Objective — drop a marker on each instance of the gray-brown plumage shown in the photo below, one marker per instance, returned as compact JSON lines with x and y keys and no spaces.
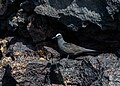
{"x":70,"y":48}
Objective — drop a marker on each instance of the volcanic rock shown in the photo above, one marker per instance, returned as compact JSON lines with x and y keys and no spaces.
{"x":94,"y":11}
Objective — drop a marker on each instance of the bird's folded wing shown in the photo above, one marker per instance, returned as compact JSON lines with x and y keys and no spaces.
{"x":72,"y":48}
{"x":76,"y":49}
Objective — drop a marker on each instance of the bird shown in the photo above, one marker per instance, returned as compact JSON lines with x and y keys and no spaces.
{"x":70,"y":48}
{"x":8,"y":79}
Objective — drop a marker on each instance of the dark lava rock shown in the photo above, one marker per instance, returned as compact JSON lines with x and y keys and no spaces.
{"x":19,"y":23}
{"x":1,"y":55}
{"x":19,"y":47}
{"x":51,"y":17}
{"x":94,"y":71}
{"x":35,"y":75}
{"x":8,"y":79}
{"x":71,"y":72}
{"x":40,"y":28}
{"x":52,"y":51}
{"x":66,"y":17}
{"x":96,"y":11}
{"x":27,"y":6}
{"x":70,"y":8}
{"x":3,"y":7}
{"x":60,"y":5}
{"x":9,"y":8}
{"x":54,"y":75}
{"x":79,"y":72}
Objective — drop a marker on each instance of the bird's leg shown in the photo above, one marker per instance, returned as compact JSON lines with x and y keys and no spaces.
{"x":68,"y":56}
{"x":66,"y":62}
{"x":51,"y":58}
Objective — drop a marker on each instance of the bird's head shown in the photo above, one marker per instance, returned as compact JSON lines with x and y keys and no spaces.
{"x":58,"y":36}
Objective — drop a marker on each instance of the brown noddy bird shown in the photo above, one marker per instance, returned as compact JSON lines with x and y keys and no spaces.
{"x":70,"y":48}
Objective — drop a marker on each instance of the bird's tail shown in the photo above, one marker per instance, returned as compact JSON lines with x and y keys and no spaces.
{"x":88,"y":50}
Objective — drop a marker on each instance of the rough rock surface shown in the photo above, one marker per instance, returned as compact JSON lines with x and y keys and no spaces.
{"x":96,"y":11}
{"x":31,"y":66}
{"x":102,"y":70}
{"x":93,"y":24}
{"x":50,"y":17}
{"x":37,"y":77}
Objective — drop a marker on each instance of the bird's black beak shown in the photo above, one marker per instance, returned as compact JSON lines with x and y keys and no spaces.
{"x":54,"y":37}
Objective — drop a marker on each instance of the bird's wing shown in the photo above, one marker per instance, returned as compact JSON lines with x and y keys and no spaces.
{"x":76,"y":49}
{"x":71,"y":48}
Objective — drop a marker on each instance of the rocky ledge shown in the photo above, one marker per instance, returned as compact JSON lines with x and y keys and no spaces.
{"x":26,"y":44}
